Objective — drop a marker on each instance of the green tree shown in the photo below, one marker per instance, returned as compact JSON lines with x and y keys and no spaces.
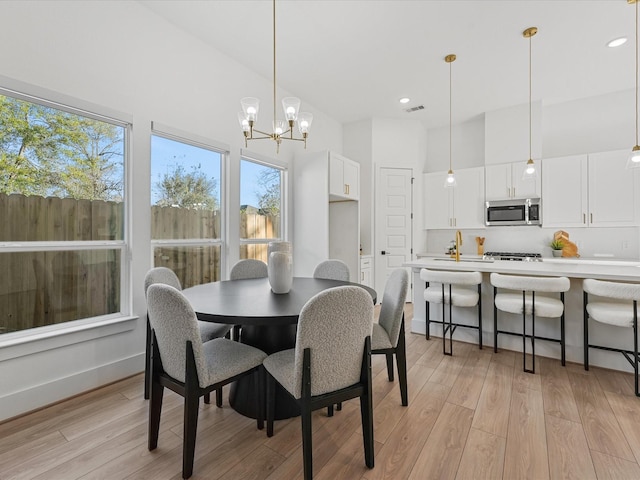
{"x":269,"y":196}
{"x":46,"y":151}
{"x":179,"y":188}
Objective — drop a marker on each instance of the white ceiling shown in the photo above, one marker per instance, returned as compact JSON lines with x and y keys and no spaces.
{"x":354,"y":59}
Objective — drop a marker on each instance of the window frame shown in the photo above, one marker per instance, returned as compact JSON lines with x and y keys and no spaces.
{"x":284,"y":203}
{"x":11,"y":343}
{"x":194,"y":140}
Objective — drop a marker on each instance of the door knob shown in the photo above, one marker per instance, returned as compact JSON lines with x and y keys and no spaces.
{"x":383,"y":252}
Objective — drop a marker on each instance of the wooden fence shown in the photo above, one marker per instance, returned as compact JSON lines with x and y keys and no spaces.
{"x":41,"y":288}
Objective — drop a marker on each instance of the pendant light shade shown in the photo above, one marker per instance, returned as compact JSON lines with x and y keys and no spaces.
{"x":450,"y":181}
{"x":634,"y":157}
{"x":530,"y":171}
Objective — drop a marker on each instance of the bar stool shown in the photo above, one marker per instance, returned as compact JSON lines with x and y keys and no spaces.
{"x":619,"y":314}
{"x":454,"y":291}
{"x":527,"y":303}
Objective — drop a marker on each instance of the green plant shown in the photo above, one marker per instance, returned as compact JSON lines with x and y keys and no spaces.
{"x":557,"y":245}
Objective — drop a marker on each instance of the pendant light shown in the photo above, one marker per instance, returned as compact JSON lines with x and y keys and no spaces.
{"x":530,"y":170}
{"x":450,"y":182}
{"x":634,"y":157}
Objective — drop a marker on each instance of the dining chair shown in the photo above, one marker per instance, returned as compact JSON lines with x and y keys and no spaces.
{"x":617,"y":308}
{"x":388,"y":333}
{"x":185,"y":364}
{"x":527,"y":303}
{"x":332,"y":269}
{"x":456,"y":290}
{"x":331,"y":363}
{"x":208,"y":330}
{"x":246,"y":269}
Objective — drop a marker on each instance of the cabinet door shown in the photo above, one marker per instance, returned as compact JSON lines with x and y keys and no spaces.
{"x":351,"y":180}
{"x":437,"y":202}
{"x":468,"y":198}
{"x":613,"y":190}
{"x":336,"y":176}
{"x":525,"y":188}
{"x":564,"y":193}
{"x":498,"y":182}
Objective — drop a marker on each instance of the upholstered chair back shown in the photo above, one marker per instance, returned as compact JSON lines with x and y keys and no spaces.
{"x":393,"y":300}
{"x":617,"y":290}
{"x":332,"y":270}
{"x":249,"y":268}
{"x":161,"y":275}
{"x":333,"y":325}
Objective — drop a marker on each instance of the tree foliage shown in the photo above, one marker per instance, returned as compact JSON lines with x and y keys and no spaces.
{"x":179,"y":188}
{"x":269,"y":196}
{"x":46,"y":151}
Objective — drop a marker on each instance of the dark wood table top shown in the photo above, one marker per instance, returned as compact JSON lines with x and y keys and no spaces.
{"x":251,"y":302}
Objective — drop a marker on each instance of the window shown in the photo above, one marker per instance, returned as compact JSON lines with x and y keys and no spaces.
{"x":261,"y":207}
{"x":186,"y":207}
{"x":62,"y":205}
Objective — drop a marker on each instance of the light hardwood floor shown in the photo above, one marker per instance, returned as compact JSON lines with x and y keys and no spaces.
{"x":471,"y":416}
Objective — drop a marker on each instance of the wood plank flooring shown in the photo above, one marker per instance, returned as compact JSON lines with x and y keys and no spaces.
{"x":475,"y":415}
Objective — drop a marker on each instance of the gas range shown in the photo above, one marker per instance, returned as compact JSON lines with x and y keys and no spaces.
{"x":514,"y":256}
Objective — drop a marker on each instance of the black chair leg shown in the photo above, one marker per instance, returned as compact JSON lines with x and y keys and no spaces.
{"x":330,"y":411}
{"x":147,"y":362}
{"x":155,"y":411}
{"x":480,"y":316}
{"x":307,"y":445}
{"x":401,"y":357}
{"x":585,"y":317}
{"x":259,"y":386}
{"x":207,"y":398}
{"x":219,"y":397}
{"x":271,"y":402}
{"x":390,"y":366}
{"x":190,"y":428}
{"x":366,"y":413}
{"x":495,"y":322}
{"x":428,"y":323}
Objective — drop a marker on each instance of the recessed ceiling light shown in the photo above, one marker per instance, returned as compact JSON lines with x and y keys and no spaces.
{"x":616,"y":42}
{"x":405,"y":100}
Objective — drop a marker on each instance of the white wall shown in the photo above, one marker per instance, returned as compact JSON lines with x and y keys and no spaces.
{"x":120,"y":55}
{"x":467,"y":146}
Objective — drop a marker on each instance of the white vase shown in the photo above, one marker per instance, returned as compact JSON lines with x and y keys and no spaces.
{"x":280,"y":271}
{"x":278,"y":247}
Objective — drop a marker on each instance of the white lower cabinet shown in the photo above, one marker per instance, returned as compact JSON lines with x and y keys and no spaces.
{"x":366,"y":270}
{"x":459,"y":207}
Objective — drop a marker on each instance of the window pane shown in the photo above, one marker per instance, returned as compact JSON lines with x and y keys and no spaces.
{"x":51,"y":287}
{"x":260,"y":201}
{"x":257,"y":251}
{"x":193,"y":265}
{"x":185,"y":191}
{"x":61,"y":175}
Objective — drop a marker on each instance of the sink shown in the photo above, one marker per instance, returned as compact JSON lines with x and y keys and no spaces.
{"x":482,"y":260}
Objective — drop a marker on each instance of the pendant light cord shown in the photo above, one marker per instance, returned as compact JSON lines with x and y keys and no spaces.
{"x":530,"y":137}
{"x":274,"y":65}
{"x":636,"y":72}
{"x":450,"y":118}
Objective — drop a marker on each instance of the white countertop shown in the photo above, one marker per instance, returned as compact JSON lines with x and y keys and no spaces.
{"x":573,"y":268}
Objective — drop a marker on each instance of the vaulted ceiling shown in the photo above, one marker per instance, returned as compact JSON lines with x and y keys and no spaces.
{"x":354,"y":59}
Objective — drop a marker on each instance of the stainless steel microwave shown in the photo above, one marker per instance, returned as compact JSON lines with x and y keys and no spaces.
{"x":522,"y":211}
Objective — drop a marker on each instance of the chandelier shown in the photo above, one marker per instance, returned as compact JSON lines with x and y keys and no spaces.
{"x":281,"y":129}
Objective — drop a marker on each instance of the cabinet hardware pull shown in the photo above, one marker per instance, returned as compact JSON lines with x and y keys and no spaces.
{"x":584,"y":218}
{"x":514,"y":192}
{"x":591,"y":214}
{"x":347,"y":189}
{"x":509,"y":192}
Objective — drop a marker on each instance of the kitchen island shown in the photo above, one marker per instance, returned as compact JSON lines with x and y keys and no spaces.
{"x":575,"y":269}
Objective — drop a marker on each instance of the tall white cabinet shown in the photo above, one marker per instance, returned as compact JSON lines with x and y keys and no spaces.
{"x":326,"y":212}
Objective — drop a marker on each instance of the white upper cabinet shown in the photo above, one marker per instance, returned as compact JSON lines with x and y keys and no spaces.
{"x":458,"y":207}
{"x":504,"y":181}
{"x":344,"y":177}
{"x":614,"y":193}
{"x":590,"y":190}
{"x":565,"y":192}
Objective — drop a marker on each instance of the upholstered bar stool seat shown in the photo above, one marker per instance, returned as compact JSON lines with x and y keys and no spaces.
{"x":623,"y":312}
{"x":527,"y":303}
{"x":458,"y":289}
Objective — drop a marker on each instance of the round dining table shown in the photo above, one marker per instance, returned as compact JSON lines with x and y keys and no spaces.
{"x":268,"y":322}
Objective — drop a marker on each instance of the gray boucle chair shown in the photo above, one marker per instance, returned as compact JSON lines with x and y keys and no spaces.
{"x":189,"y":367}
{"x":246,"y":269}
{"x":388,"y":334}
{"x":527,"y":303}
{"x":330,"y":363}
{"x":332,"y":270}
{"x":623,"y":314}
{"x":208,"y":330}
{"x":454,"y":291}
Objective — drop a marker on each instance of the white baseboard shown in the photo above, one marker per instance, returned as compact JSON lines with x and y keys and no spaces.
{"x":38,"y":396}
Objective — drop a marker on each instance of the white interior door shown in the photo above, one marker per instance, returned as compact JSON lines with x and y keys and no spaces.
{"x":393,"y":223}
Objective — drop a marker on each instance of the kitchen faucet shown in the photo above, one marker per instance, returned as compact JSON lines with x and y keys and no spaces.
{"x":458,"y":243}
